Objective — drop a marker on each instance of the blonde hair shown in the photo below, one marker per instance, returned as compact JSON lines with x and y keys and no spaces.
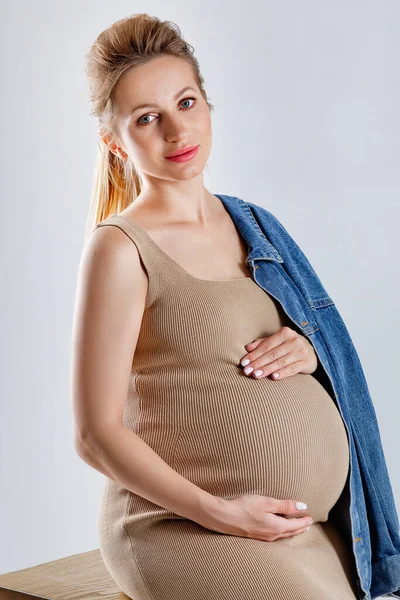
{"x":127,"y":43}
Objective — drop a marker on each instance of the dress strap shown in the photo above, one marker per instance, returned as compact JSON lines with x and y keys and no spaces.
{"x":148,"y":258}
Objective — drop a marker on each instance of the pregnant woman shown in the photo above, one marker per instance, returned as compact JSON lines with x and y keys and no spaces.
{"x":220,"y":476}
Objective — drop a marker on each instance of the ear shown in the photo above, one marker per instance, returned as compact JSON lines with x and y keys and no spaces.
{"x":112,"y":145}
{"x":106,"y":138}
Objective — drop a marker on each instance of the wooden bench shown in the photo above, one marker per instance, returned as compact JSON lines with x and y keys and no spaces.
{"x":82,"y":576}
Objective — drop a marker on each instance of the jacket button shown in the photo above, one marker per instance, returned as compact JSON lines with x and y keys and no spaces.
{"x":358,"y":539}
{"x":304,"y":322}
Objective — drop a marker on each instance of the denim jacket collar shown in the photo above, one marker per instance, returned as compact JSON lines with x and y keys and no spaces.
{"x":260,"y":247}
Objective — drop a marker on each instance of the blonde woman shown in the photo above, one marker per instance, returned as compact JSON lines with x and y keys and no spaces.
{"x":221,"y":474}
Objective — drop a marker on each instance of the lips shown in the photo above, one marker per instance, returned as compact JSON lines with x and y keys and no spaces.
{"x":181,"y":151}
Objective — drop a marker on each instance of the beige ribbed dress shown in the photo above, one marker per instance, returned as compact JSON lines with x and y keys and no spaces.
{"x":229,"y":434}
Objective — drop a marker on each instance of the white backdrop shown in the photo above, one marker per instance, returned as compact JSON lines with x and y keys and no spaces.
{"x":306,"y":123}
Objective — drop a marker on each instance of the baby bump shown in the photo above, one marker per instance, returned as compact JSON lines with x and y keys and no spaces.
{"x":284,"y":439}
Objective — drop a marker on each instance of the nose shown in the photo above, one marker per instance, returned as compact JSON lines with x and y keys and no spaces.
{"x":174,"y":129}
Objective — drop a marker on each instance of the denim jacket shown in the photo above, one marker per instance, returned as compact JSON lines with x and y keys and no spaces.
{"x":280,"y":267}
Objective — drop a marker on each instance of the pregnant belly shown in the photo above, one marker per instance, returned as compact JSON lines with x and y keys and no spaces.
{"x":284,"y":439}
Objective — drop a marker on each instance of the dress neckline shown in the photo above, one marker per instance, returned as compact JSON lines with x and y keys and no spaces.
{"x":170,"y":259}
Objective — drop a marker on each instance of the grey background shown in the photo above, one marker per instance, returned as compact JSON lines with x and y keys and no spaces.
{"x":306,"y":123}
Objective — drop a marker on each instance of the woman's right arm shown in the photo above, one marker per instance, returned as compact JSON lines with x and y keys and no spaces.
{"x":109,"y":306}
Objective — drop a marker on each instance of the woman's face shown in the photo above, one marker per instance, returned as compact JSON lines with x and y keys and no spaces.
{"x":180,"y":119}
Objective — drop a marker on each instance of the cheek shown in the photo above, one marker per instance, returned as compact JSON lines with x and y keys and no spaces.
{"x":142,"y":146}
{"x":204,"y":130}
{"x":206,"y":122}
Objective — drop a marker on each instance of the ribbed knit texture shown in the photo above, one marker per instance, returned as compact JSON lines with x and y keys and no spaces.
{"x":229,"y":434}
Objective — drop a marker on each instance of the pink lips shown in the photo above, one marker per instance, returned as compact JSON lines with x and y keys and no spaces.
{"x":185,"y":156}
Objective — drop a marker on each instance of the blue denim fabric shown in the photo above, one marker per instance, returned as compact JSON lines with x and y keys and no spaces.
{"x":280,"y":267}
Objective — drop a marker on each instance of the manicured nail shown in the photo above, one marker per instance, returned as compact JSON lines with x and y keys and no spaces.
{"x":275,"y":375}
{"x":248,"y":370}
{"x":258,"y":372}
{"x":245,"y":362}
{"x":301,"y":506}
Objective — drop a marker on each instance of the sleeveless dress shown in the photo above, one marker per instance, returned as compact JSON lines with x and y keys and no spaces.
{"x":230,"y":434}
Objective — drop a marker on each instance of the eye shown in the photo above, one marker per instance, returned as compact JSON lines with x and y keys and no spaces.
{"x":141,"y":123}
{"x":185,"y":99}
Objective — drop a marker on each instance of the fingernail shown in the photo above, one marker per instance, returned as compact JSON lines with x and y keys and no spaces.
{"x":245,"y":362}
{"x":301,"y":505}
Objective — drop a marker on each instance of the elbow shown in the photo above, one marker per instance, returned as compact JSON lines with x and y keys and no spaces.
{"x":81,"y":443}
{"x":89,"y":442}
{"x":80,"y":449}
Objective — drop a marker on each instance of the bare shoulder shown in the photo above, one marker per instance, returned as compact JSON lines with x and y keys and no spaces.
{"x":110,"y":256}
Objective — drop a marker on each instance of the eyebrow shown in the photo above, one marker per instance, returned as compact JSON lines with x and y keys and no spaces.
{"x":152,"y":105}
